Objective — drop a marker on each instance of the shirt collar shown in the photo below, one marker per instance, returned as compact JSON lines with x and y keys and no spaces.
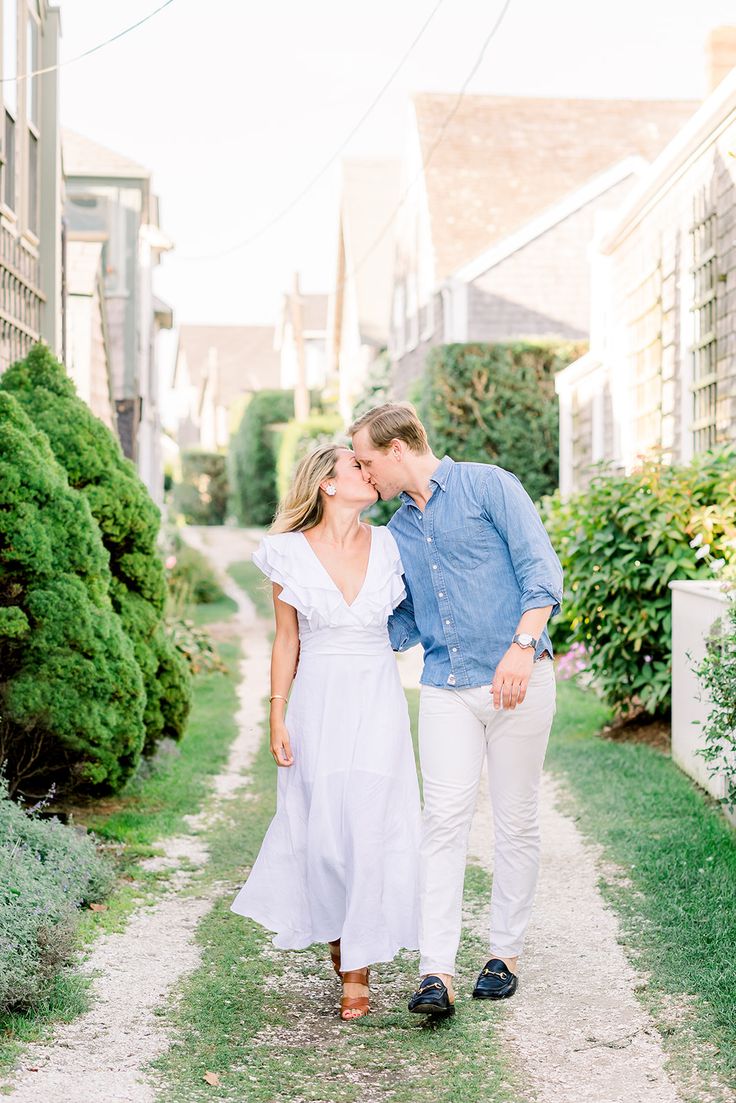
{"x":440,"y":477}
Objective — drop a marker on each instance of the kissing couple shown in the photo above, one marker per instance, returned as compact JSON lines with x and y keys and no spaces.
{"x":464,"y":567}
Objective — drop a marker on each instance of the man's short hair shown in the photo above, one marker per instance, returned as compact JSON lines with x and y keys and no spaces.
{"x":393,"y":421}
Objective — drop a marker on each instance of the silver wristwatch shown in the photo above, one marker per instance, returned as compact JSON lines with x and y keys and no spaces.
{"x":525,"y":639}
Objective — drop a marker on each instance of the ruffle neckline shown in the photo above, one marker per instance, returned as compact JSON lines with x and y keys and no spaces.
{"x":289,"y":561}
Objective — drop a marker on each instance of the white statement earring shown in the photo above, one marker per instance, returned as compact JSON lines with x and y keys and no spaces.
{"x":331,"y":490}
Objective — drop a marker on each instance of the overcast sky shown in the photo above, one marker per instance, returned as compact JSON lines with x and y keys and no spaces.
{"x":236,"y":105}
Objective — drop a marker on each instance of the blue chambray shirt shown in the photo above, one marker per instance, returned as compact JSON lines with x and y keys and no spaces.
{"x":474,"y":561}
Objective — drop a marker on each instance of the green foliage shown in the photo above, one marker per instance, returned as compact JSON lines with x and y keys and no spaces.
{"x":253,"y":451}
{"x":497,"y":404}
{"x":128,"y":520}
{"x":621,"y":541}
{"x":192,"y":579}
{"x":71,"y":693}
{"x":202,"y":494}
{"x":299,"y":438}
{"x":46,"y":871}
{"x":717,"y":674}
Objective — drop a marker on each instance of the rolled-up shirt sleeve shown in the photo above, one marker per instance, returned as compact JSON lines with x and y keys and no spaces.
{"x":402,"y":627}
{"x":538,"y":571}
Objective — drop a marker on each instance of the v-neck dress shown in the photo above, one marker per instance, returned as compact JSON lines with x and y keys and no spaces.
{"x":340,"y":857}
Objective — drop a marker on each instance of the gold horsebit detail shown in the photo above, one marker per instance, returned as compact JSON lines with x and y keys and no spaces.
{"x":491,"y":973}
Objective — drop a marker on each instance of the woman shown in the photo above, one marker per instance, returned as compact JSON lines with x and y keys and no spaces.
{"x":339,"y":862}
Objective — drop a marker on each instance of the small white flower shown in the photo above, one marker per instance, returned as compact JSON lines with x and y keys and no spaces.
{"x":702,"y":551}
{"x":697,"y":541}
{"x":717,"y":564}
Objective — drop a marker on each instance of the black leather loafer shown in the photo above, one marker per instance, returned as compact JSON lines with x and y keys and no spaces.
{"x":495,"y":981}
{"x":431,"y":998}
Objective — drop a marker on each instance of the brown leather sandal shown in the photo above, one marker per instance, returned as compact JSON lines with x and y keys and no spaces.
{"x":335,"y":955}
{"x":360,"y":1004}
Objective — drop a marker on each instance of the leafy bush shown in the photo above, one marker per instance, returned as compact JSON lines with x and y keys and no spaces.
{"x":253,"y":453}
{"x":195,"y":644}
{"x":191,"y":577}
{"x":71,"y":692}
{"x":621,"y":541}
{"x":201,"y":496}
{"x":129,"y":523}
{"x":299,"y":438}
{"x":497,"y":404}
{"x":717,"y":675}
{"x":46,"y":871}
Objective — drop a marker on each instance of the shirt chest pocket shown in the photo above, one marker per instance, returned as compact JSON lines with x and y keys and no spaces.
{"x":467,"y":545}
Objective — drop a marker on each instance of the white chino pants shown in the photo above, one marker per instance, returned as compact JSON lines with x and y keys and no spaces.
{"x":457,"y":727}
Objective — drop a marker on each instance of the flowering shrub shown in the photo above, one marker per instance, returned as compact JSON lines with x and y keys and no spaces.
{"x":47,"y":870}
{"x":621,"y":541}
{"x":572,"y":663}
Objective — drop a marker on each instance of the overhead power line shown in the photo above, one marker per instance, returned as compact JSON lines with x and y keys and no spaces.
{"x":92,"y":49}
{"x":257,"y":234}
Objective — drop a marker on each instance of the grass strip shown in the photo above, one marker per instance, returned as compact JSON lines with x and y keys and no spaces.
{"x":677,"y":897}
{"x":266,"y":1021}
{"x":246,"y":575}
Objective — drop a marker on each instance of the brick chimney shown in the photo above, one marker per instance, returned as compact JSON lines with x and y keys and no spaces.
{"x":720,"y":55}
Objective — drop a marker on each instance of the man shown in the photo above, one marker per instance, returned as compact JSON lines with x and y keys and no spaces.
{"x":482,"y":580}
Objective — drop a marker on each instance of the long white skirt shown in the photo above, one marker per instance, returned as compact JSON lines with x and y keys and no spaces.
{"x":340,"y":857}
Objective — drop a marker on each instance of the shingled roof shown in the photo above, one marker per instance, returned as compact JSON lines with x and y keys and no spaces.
{"x":83,"y":157}
{"x":503,"y":159}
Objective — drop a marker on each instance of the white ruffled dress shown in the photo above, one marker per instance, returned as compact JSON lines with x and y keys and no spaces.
{"x":340,"y":857}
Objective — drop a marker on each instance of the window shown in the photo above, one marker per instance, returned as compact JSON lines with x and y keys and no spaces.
{"x":704,"y":350}
{"x":32,"y":182}
{"x":10,"y":98}
{"x":9,"y":166}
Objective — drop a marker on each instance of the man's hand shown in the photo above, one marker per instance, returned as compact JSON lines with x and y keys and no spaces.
{"x":512,"y":677}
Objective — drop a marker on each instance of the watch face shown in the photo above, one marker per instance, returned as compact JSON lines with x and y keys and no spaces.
{"x":524,"y":639}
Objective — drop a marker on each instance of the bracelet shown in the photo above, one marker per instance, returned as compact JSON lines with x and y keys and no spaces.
{"x":280,"y":697}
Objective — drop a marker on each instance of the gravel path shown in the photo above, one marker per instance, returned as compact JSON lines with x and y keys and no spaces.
{"x":575,"y":1029}
{"x":103,"y":1054}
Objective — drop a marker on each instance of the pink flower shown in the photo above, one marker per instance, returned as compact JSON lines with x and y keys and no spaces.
{"x":170,"y":562}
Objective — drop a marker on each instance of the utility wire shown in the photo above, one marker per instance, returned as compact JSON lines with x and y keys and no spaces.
{"x":433,"y":147}
{"x":92,"y":49}
{"x":330,"y":162}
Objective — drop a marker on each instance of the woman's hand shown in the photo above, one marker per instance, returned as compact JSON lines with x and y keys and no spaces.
{"x":280,"y":744}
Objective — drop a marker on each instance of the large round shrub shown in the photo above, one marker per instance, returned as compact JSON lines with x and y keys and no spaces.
{"x":621,"y":542}
{"x":71,"y":692}
{"x":496,"y":403}
{"x":129,"y":522}
{"x":253,"y":451}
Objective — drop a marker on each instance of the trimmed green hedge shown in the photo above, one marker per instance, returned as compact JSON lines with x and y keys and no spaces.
{"x":497,"y":404}
{"x":71,"y":692}
{"x":128,"y":520}
{"x":621,"y":541}
{"x":253,"y":452}
{"x":202,"y":494}
{"x":299,"y":438}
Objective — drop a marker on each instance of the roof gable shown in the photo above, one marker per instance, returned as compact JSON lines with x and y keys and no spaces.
{"x":502,"y":159}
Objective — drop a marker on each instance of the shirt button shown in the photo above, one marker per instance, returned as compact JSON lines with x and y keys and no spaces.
{"x":440,"y":594}
{"x":454,"y":649}
{"x":429,"y":539}
{"x":434,"y":566}
{"x":451,"y":680}
{"x":447,"y":622}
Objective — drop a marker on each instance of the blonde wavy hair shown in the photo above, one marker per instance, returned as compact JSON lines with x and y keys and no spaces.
{"x":303,"y":504}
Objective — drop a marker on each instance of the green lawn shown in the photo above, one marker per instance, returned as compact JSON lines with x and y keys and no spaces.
{"x":266,"y":1021}
{"x":258,"y":588}
{"x":677,"y":904}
